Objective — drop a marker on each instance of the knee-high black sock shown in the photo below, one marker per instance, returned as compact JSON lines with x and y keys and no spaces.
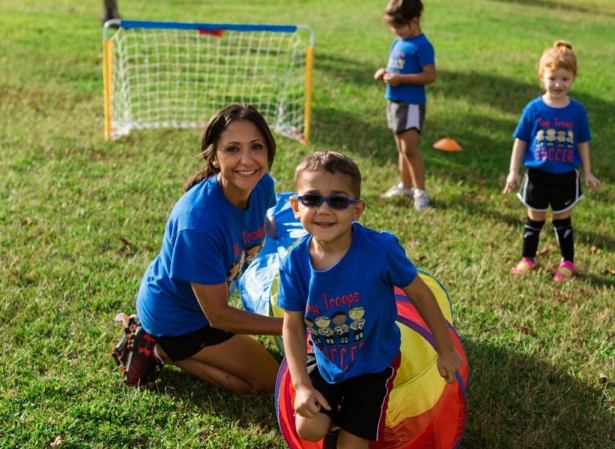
{"x":565,"y":238}
{"x":531,"y":236}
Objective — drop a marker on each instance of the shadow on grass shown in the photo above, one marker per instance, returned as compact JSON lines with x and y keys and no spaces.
{"x":559,"y":5}
{"x":214,"y":401}
{"x":486,"y":139}
{"x":519,"y":402}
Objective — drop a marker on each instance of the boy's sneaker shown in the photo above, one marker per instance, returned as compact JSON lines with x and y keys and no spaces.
{"x":421,"y":200}
{"x":398,"y":190}
{"x":135,"y":354}
{"x":564,"y":272}
{"x":525,"y":266}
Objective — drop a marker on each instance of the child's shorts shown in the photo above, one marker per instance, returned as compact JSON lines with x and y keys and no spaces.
{"x":403,"y":117}
{"x":184,"y":346}
{"x":359,"y":404}
{"x":541,"y":189}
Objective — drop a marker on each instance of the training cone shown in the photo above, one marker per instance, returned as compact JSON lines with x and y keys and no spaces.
{"x":447,"y":144}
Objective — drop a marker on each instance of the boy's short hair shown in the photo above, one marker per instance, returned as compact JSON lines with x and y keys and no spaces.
{"x":400,"y":12}
{"x":333,"y":162}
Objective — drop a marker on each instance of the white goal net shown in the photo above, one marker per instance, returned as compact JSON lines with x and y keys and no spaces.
{"x":177,"y":74}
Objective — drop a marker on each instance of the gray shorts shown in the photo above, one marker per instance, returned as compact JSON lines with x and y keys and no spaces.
{"x":402,"y":117}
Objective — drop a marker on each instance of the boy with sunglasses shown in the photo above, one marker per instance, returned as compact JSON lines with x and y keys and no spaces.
{"x":338,"y":283}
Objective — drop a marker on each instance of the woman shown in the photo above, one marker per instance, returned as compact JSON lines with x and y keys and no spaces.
{"x":220,"y":220}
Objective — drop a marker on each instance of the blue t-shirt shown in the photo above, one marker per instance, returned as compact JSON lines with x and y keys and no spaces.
{"x":408,"y":56}
{"x":207,"y":241}
{"x":349,"y":309}
{"x":552,"y":135}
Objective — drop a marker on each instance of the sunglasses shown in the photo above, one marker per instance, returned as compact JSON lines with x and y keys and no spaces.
{"x":337,"y":202}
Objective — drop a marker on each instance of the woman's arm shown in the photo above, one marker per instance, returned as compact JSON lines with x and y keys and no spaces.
{"x":213,"y":300}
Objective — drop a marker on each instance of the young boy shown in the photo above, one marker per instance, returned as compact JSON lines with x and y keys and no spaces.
{"x":411,"y":66}
{"x":338,"y":283}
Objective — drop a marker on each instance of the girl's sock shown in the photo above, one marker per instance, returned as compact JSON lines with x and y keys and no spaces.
{"x":531,"y":236}
{"x":564,"y":234}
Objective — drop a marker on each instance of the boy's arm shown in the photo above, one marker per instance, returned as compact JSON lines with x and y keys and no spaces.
{"x":590,"y":180}
{"x":513,"y":179}
{"x":425,"y":302}
{"x":427,"y":76}
{"x":308,"y":401}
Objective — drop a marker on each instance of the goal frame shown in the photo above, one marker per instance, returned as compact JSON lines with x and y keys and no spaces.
{"x":111,"y":26}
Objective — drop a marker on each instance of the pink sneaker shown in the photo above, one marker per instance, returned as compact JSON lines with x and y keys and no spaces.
{"x":525,"y":266}
{"x":564,"y":272}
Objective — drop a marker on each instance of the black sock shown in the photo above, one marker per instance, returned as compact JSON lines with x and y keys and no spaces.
{"x":531,"y":236}
{"x":565,"y":238}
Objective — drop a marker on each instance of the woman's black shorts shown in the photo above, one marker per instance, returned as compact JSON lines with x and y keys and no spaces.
{"x":184,"y":346}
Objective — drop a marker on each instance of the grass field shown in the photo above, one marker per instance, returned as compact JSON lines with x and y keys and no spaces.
{"x":81,"y":218}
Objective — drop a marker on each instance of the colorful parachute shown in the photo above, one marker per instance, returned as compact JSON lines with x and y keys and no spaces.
{"x":424,"y":411}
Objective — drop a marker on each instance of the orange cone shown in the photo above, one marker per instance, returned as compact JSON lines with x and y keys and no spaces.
{"x":447,"y":144}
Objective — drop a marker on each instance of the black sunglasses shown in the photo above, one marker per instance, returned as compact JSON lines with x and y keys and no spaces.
{"x":337,"y":202}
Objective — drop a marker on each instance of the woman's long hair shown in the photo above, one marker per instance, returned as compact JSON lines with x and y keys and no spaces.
{"x":216,"y":126}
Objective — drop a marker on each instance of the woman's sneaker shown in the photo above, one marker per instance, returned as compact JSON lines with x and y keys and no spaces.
{"x":135,"y":354}
{"x":525,"y":266}
{"x":421,"y":199}
{"x":398,"y":190}
{"x":564,"y":272}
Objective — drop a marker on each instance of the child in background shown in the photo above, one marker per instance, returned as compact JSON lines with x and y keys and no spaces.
{"x":338,"y":282}
{"x":552,"y":141}
{"x":411,"y":66}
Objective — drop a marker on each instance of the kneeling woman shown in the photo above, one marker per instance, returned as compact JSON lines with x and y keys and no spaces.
{"x":212,"y":232}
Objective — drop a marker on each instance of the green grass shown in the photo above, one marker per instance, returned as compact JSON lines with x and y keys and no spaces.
{"x":80,"y":219}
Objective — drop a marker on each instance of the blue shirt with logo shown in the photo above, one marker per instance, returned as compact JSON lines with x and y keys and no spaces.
{"x":207,"y":240}
{"x":349,"y":309}
{"x":409,"y":56}
{"x":553,"y":135}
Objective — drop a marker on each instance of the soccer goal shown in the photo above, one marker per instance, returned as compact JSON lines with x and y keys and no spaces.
{"x":177,"y":74}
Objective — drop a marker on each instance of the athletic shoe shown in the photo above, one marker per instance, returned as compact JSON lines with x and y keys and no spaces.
{"x":564,"y":272}
{"x":421,"y":200}
{"x":525,"y":266}
{"x":398,"y":190}
{"x":135,"y":355}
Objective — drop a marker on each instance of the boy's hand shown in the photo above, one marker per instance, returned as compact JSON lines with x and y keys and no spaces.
{"x":380,"y":74}
{"x":309,"y":401}
{"x":592,"y":182}
{"x":448,"y":364}
{"x":512,"y":182}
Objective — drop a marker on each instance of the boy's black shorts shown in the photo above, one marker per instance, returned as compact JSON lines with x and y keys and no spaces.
{"x":359,"y":404}
{"x":184,"y":346}
{"x":541,"y":189}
